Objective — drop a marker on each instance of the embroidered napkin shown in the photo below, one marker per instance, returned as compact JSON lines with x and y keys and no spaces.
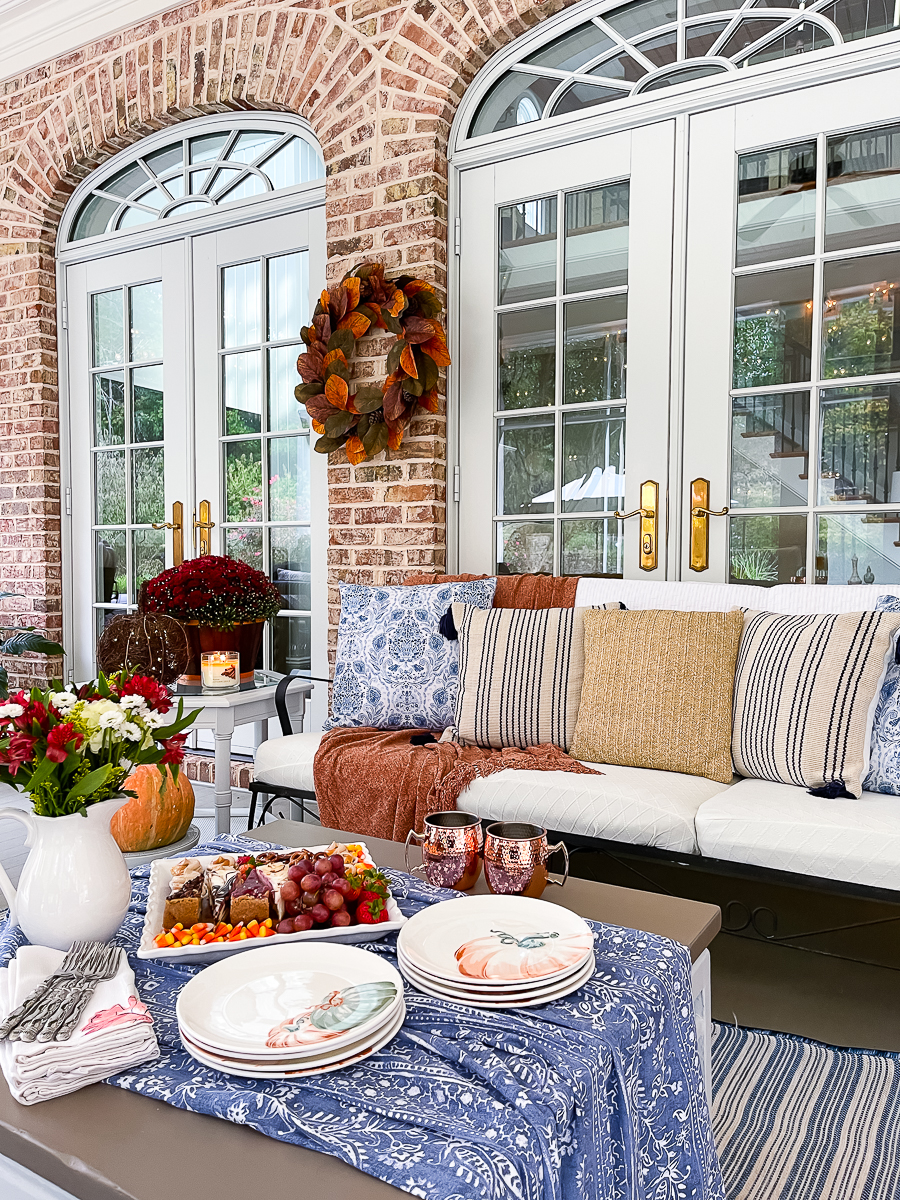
{"x":115,"y":1031}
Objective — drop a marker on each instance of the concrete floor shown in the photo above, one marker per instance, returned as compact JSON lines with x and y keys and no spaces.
{"x":795,"y":972}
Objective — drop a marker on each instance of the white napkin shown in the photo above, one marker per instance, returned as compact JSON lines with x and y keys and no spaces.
{"x":115,"y":1031}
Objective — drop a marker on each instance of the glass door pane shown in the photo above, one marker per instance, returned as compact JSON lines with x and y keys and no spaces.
{"x":129,"y":433}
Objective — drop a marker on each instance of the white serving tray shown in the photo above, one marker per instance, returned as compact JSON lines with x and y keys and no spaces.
{"x":161,"y":873}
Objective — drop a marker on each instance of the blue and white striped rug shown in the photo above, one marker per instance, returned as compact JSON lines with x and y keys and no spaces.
{"x":798,"y":1120}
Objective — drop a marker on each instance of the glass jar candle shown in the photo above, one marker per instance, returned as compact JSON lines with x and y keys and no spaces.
{"x":220,"y":671}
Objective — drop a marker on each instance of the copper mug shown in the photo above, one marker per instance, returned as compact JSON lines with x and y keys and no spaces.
{"x":515,"y":859}
{"x":451,"y":849}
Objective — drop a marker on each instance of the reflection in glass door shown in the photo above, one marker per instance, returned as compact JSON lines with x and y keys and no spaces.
{"x":815,"y":401}
{"x":265,"y":438}
{"x":128,"y":455}
{"x":561,"y":360}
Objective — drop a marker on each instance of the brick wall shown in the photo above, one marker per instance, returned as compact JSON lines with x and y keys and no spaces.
{"x":379,"y":81}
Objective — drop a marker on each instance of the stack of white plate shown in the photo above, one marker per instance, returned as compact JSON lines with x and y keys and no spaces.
{"x":290,"y":1011}
{"x":496,"y":951}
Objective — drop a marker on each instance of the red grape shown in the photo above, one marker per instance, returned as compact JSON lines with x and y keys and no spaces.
{"x":304,"y":866}
{"x":328,"y":878}
{"x":310,"y":899}
{"x":303,"y":923}
{"x":311,"y":882}
{"x":292,"y":907}
{"x":342,"y":886}
{"x":333,"y":900}
{"x":320,"y":914}
{"x":337,"y":864}
{"x":286,"y":926}
{"x":341,"y":918}
{"x":290,"y":890}
{"x":322,"y":866}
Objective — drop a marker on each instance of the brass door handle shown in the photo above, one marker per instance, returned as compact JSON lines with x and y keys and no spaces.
{"x":205,"y":525}
{"x":700,"y":514}
{"x":649,"y":523}
{"x":177,"y":527}
{"x":709,"y":512}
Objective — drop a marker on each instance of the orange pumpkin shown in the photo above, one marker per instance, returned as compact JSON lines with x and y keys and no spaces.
{"x":158,"y":815}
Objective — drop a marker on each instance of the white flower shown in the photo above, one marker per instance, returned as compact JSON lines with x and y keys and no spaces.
{"x":95,"y":742}
{"x":126,"y":763}
{"x":11,"y":710}
{"x":63,"y":701}
{"x":154,"y":720}
{"x":112,"y":719}
{"x":92,"y":712}
{"x":138,"y":703}
{"x":130,"y":731}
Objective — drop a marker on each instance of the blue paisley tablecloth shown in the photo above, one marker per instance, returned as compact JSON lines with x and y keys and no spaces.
{"x":597,"y":1096}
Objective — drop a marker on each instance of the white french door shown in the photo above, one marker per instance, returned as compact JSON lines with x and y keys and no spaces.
{"x":564,"y":319}
{"x":792,"y":338}
{"x":181,"y":369}
{"x":711,"y":303}
{"x":130,"y":431}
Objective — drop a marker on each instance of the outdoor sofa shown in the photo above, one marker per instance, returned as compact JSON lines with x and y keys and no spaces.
{"x":749,"y":827}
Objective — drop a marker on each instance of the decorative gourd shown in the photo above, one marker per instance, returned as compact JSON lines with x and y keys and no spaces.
{"x":502,"y":955}
{"x":158,"y":815}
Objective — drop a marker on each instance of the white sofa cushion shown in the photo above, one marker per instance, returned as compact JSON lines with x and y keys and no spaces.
{"x":687,"y":596}
{"x":780,"y":826}
{"x":627,"y":804}
{"x":287,"y":761}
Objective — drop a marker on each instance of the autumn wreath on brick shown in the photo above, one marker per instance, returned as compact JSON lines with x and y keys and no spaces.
{"x":372,"y":418}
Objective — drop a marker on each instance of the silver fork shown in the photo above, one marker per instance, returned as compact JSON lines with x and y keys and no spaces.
{"x":103,"y":967}
{"x":67,"y":972}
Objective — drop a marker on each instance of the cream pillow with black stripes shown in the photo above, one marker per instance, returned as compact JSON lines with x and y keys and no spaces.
{"x":805,"y":693}
{"x":520,"y":675}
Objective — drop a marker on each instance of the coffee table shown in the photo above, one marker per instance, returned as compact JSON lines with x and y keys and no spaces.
{"x":106,"y":1144}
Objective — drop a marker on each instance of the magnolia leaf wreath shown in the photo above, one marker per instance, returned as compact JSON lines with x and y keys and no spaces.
{"x":372,"y":418}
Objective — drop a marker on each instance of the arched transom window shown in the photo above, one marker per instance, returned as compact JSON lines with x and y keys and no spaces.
{"x":190,"y":174}
{"x":622,"y":50}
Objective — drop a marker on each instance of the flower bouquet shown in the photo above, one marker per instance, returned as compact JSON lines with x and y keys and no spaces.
{"x":70,"y":749}
{"x":223,"y":604}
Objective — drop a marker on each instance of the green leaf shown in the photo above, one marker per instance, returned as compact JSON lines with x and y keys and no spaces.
{"x":428,"y":369}
{"x":376,"y":438}
{"x":325,"y":445}
{"x":91,"y":782}
{"x":28,"y":641}
{"x":340,"y":423}
{"x":412,"y":387}
{"x":393,"y":358}
{"x":338,"y":367}
{"x":392,"y":322}
{"x":4,"y":683}
{"x":306,"y":391}
{"x":342,"y":339}
{"x":368,"y":399}
{"x":42,"y":771}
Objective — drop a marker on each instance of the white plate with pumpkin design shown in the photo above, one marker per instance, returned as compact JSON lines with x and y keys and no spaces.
{"x":497,"y":997}
{"x":496,"y":940}
{"x":288,"y":1001}
{"x":257,"y":1070}
{"x":532,"y":999}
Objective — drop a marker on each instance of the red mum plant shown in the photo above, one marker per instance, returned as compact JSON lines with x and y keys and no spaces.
{"x":213,"y":590}
{"x":371,"y":419}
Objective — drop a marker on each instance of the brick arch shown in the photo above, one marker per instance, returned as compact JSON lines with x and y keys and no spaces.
{"x":379,"y":83}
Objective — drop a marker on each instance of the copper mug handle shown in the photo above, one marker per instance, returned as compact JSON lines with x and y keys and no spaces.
{"x":552,"y":850}
{"x":420,"y":839}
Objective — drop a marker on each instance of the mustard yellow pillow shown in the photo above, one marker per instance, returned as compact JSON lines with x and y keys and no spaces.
{"x":658,"y":690}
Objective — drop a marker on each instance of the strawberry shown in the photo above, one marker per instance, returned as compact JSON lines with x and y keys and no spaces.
{"x":374,"y":886}
{"x":371,"y":912}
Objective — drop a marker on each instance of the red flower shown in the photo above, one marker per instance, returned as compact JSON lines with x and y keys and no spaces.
{"x":174,"y":748}
{"x":21,"y":748}
{"x":34,"y":711}
{"x":154,"y":693}
{"x":58,"y":741}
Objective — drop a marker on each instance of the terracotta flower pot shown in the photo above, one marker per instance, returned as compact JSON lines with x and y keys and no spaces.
{"x":245,"y":637}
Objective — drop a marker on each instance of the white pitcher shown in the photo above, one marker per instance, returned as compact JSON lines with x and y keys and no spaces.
{"x":75,"y":884}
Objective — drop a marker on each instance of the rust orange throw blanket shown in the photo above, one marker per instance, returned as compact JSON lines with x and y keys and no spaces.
{"x":517,"y":591}
{"x":376,"y":783}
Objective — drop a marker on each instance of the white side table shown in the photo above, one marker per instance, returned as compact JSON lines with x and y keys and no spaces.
{"x":223,"y":713}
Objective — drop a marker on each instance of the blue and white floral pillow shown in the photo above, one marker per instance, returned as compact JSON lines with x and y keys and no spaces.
{"x":884,"y":746}
{"x":395,"y":669}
